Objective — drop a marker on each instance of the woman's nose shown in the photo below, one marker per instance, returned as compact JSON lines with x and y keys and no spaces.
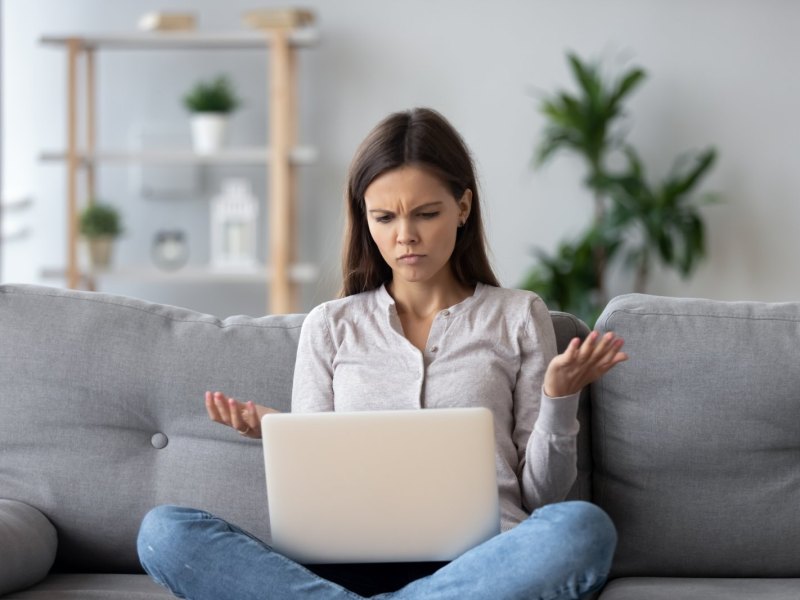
{"x":406,"y":232}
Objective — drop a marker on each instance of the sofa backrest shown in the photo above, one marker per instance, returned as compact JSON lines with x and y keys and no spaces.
{"x":102,"y":414}
{"x":696,"y":438}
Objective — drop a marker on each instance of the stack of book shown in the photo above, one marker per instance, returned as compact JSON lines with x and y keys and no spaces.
{"x":274,"y":18}
{"x":167,"y":21}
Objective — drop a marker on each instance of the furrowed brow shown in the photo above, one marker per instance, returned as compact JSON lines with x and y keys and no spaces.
{"x":420,"y":207}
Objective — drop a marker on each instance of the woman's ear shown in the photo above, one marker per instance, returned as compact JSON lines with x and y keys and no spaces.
{"x":464,"y":206}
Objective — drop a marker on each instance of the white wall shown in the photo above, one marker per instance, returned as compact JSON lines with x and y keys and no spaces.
{"x":720,"y":73}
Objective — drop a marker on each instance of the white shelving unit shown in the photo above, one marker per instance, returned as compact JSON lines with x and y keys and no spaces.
{"x":280,"y":157}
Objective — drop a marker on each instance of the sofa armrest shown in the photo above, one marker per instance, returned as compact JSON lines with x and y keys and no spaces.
{"x":28,"y":544}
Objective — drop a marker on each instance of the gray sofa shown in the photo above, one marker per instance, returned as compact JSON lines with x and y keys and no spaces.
{"x":692,"y":446}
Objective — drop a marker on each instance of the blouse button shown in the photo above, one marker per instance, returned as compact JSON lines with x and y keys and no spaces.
{"x":434,"y":348}
{"x":445,"y":313}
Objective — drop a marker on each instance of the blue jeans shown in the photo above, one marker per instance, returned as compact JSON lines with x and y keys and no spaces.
{"x":561,"y":551}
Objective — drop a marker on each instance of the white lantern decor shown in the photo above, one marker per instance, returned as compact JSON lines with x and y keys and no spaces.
{"x":234,"y":213}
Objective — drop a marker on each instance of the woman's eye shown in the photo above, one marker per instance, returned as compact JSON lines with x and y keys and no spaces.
{"x":429,"y":215}
{"x":383,"y":219}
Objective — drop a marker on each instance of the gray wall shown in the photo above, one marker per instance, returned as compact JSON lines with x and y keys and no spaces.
{"x":721,"y":73}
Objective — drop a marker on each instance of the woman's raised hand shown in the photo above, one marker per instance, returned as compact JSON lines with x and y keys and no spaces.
{"x":582,"y":363}
{"x":244,"y":417}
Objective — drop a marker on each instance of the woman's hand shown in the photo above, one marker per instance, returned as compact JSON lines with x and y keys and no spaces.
{"x":244,"y":417}
{"x":582,"y":363}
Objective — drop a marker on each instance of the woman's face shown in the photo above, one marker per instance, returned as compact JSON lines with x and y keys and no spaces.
{"x":413,"y":218}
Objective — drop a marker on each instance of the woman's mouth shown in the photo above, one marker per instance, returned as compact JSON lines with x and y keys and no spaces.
{"x":410,"y":259}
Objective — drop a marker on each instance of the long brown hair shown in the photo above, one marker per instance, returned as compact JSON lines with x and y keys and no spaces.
{"x":421,"y":137}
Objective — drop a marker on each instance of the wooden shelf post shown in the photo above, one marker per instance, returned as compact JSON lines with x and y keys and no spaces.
{"x":281,"y":227}
{"x":73,"y":53}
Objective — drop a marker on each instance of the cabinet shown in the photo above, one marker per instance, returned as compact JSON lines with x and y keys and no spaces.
{"x":280,"y":157}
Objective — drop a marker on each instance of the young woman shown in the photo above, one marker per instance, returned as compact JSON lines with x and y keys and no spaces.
{"x":422,"y":323}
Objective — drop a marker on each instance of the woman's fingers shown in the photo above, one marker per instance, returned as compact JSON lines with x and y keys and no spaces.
{"x":210,"y":408}
{"x":571,"y":353}
{"x":610,"y":355}
{"x":221,"y":404}
{"x":216,"y":411}
{"x":588,"y":346}
{"x":251,"y":416}
{"x":236,"y":416}
{"x":598,"y":352}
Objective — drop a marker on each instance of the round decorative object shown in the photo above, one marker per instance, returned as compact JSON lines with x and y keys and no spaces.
{"x":170,"y":250}
{"x":159,"y":441}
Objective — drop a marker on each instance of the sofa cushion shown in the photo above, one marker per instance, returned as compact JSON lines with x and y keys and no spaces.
{"x":94,"y":587}
{"x":28,"y":544}
{"x":697,"y":438}
{"x":673,"y":588}
{"x":104,"y":417}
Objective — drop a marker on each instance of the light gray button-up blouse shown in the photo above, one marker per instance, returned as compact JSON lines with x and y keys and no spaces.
{"x":491,"y":350}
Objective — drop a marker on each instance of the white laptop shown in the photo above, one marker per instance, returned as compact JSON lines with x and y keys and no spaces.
{"x":381,"y":486}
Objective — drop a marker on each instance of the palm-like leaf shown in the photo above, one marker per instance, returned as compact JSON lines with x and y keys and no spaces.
{"x":567,"y":279}
{"x":584,"y":122}
{"x":667,"y":217}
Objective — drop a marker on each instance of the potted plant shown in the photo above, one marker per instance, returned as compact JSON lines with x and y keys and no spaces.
{"x":637,"y":223}
{"x":210,"y":103}
{"x":100,"y":224}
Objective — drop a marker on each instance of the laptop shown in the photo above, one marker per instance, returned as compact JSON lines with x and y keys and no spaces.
{"x":380,"y":486}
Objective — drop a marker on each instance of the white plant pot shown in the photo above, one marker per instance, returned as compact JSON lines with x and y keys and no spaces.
{"x":208,"y":132}
{"x":100,"y":252}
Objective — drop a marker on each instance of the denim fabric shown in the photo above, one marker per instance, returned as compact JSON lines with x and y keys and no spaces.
{"x":561,"y":551}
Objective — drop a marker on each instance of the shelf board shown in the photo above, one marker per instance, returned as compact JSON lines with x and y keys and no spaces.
{"x":300,"y":156}
{"x":15,"y":203}
{"x":14,"y":234}
{"x":182,"y":40}
{"x":298,"y":273}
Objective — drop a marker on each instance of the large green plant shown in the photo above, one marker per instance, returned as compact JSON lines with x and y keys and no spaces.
{"x":634,"y":221}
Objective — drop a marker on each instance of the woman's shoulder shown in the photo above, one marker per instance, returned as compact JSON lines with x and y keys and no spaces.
{"x":520,"y":310}
{"x":511,"y":298}
{"x":347,"y":306}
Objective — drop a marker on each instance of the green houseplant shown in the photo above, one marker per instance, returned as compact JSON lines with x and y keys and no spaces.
{"x":210,"y":103}
{"x":636,"y":223}
{"x":100,"y":224}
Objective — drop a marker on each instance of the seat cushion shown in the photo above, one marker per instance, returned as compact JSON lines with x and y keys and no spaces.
{"x":666,"y":588}
{"x":696,"y":438}
{"x":94,"y":587}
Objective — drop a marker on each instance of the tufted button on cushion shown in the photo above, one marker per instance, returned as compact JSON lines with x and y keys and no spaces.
{"x":159,"y":441}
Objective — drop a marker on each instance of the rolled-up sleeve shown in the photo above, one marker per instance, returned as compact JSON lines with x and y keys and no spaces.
{"x":545,"y":429}
{"x":312,"y":388}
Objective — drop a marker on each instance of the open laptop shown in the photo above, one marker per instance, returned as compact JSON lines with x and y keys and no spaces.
{"x":380,"y":486}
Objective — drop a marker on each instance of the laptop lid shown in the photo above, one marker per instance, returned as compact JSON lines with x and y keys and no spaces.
{"x":380,"y":486}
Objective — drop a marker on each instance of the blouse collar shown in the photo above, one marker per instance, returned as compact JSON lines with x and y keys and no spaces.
{"x":387,"y":303}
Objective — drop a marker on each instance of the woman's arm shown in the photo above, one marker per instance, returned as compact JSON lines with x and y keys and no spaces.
{"x":546,"y":405}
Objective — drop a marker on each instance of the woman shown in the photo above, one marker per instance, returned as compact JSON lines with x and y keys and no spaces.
{"x":422,"y":322}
